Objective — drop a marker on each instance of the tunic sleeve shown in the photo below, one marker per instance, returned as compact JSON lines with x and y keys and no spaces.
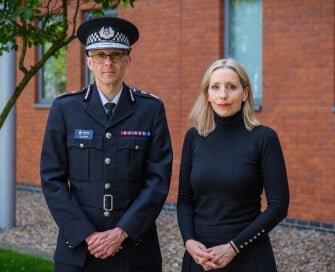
{"x":72,"y":222}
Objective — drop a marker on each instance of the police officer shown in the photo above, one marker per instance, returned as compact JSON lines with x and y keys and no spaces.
{"x":106,"y":162}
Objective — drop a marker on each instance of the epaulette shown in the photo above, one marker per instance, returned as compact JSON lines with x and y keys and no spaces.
{"x":69,"y":94}
{"x":144,"y":94}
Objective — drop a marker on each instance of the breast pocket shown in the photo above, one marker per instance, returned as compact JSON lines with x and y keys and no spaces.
{"x":85,"y":158}
{"x":132,"y":155}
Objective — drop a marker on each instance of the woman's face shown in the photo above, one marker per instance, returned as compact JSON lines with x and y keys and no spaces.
{"x":225,"y":92}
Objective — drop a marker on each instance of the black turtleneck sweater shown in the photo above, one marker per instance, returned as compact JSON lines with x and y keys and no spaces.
{"x":222,"y":177}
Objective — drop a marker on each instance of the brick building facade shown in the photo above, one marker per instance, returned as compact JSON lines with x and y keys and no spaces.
{"x":179,"y":40}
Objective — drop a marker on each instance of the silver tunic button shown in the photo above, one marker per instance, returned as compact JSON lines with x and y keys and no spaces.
{"x":107,"y":186}
{"x":108,"y":135}
{"x":107,"y":160}
{"x":106,"y":214}
{"x":137,"y":147}
{"x":81,"y":145}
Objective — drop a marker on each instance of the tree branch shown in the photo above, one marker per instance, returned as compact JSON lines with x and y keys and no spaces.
{"x":33,"y":34}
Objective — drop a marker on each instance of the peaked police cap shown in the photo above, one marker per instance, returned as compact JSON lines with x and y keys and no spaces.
{"x":107,"y":33}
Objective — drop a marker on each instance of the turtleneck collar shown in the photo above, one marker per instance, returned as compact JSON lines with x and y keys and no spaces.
{"x":231,"y":122}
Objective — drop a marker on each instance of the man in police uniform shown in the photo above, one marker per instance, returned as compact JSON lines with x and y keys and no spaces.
{"x":105,"y":178}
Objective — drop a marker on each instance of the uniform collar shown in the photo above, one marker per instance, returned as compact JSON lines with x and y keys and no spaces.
{"x":104,"y":100}
{"x":96,"y":110}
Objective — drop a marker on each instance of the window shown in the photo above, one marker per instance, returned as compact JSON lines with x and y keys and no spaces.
{"x":243,"y":40}
{"x":89,"y":77}
{"x":52,"y":76}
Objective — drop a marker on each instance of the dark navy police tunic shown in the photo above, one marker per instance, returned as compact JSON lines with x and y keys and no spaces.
{"x":99,"y":174}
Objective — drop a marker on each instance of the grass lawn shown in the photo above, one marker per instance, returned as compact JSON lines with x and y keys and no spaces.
{"x":11,"y":261}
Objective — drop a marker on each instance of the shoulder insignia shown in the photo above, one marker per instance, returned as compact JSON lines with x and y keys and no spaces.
{"x":155,"y":96}
{"x":69,"y":94}
{"x":145,"y":94}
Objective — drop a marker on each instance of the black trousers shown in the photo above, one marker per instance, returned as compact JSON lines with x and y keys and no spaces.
{"x":109,"y":265}
{"x":117,"y":263}
{"x":257,"y":258}
{"x":68,"y":268}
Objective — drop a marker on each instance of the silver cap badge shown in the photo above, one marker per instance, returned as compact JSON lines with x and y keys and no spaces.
{"x":106,"y":33}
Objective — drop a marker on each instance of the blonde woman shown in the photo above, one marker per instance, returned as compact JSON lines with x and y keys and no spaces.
{"x":228,"y":158}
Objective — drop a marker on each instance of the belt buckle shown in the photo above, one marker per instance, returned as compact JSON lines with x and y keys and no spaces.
{"x":108,"y":202}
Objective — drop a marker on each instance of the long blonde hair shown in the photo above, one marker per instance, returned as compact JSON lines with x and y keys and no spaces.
{"x":202,"y":114}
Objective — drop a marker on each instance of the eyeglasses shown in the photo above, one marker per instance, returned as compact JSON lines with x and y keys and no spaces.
{"x":114,"y":56}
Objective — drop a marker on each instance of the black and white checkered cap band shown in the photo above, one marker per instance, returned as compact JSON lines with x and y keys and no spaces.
{"x":118,"y":41}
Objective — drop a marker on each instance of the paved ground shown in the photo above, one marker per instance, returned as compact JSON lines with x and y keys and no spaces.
{"x":296,"y":250}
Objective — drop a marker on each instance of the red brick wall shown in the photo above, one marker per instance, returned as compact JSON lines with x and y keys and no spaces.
{"x":177,"y":43}
{"x":298,"y":96}
{"x":179,"y":40}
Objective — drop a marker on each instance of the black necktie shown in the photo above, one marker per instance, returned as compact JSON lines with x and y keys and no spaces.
{"x":109,"y":107}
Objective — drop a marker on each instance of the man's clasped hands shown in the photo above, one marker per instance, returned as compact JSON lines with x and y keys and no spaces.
{"x":106,"y":243}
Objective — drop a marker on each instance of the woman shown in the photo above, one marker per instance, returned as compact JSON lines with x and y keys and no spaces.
{"x":228,"y":158}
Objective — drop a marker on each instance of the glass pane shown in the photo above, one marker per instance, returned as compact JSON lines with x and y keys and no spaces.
{"x":54,"y":75}
{"x":246,"y":39}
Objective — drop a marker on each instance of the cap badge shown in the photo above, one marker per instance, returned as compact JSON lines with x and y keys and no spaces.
{"x":106,"y":33}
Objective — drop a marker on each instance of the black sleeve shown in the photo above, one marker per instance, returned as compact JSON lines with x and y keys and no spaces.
{"x":185,"y":202}
{"x":275,"y":186}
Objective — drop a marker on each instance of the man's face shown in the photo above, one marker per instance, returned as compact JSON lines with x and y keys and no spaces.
{"x":108,"y":66}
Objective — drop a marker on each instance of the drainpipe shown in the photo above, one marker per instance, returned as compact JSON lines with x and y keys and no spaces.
{"x":7,"y":142}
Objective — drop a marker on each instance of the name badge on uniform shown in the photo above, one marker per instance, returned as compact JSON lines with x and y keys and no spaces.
{"x":83,"y":134}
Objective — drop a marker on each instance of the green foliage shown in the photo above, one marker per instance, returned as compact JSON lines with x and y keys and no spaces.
{"x":34,"y":21}
{"x":114,"y":3}
{"x":11,"y":261}
{"x":16,"y":20}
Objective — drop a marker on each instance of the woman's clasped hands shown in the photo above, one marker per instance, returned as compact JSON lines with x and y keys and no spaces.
{"x":210,"y":258}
